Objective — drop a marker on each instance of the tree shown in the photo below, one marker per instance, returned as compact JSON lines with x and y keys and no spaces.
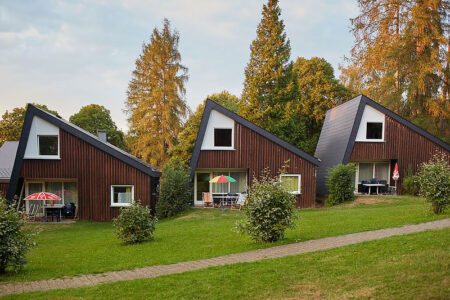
{"x":400,"y":58}
{"x":269,"y":80}
{"x":155,"y":102}
{"x":12,"y":122}
{"x":94,"y":117}
{"x":186,"y":138}
{"x":319,"y":91}
{"x":176,"y":191}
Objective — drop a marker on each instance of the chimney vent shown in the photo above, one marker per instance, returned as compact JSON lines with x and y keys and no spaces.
{"x":102,"y":135}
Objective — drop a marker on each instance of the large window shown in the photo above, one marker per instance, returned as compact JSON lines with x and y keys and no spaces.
{"x":377,"y":170}
{"x":67,"y":190}
{"x":374,"y":131}
{"x":240,"y":186}
{"x":48,"y":145}
{"x":291,"y":183}
{"x":223,"y":137}
{"x":122,"y":195}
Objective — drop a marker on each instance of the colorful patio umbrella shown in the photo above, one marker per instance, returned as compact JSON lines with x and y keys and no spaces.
{"x":43,"y":196}
{"x":222,"y":179}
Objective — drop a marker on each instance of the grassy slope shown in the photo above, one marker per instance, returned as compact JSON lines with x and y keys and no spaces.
{"x":88,"y":247}
{"x":415,"y":266}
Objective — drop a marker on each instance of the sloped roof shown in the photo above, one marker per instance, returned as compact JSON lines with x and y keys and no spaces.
{"x":211,"y":105}
{"x":79,"y":133}
{"x":339,"y":130}
{"x":7,"y":155}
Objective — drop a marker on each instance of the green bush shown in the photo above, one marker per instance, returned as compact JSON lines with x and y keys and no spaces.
{"x":135,"y":224}
{"x":269,"y":210}
{"x":434,"y":181}
{"x":341,"y":184}
{"x":410,"y":185}
{"x":176,"y":190}
{"x":14,"y":242}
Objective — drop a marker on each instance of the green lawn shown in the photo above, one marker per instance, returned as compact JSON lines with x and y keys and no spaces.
{"x":89,"y":247}
{"x":415,"y":266}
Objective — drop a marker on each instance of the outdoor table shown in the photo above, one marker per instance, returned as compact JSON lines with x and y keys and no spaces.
{"x":49,"y":207}
{"x":373,"y":184}
{"x":224,"y":199}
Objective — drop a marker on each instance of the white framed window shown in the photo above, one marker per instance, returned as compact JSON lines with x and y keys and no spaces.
{"x":292,"y":183}
{"x":223,"y":137}
{"x":48,"y":145}
{"x":122,"y":195}
{"x":374,"y":131}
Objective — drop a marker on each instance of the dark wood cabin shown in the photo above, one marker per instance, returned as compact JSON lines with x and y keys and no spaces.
{"x":366,"y":133}
{"x":228,"y":144}
{"x":98,"y":178}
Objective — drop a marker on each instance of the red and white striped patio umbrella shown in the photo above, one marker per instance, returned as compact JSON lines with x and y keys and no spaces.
{"x":396,"y":175}
{"x":43,"y":196}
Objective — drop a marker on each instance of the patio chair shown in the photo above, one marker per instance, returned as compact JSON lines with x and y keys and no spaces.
{"x":206,"y":198}
{"x":231,"y":198}
{"x":373,"y":188}
{"x":383,"y":189}
{"x":364,"y":189}
{"x":69,"y":210}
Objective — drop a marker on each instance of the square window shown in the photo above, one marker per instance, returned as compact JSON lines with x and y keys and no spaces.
{"x":374,"y":131}
{"x":48,"y":145}
{"x":291,"y":183}
{"x":222,"y":137}
{"x":122,"y":195}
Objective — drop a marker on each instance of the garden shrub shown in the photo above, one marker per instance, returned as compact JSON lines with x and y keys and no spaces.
{"x":135,"y":224}
{"x":176,"y":190}
{"x":14,"y":241}
{"x":341,"y":184}
{"x":434,"y":181}
{"x":410,"y":185}
{"x":269,"y":210}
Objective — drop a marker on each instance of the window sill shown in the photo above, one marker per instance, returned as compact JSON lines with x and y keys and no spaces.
{"x":370,"y":141}
{"x":49,"y":157}
{"x":120,"y":204}
{"x":219,"y":148}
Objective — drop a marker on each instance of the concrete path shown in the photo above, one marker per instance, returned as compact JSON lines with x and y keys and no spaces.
{"x":273,"y":252}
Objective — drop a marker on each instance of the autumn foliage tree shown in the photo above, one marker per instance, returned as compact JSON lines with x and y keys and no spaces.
{"x":94,"y":117}
{"x":400,"y":59}
{"x":12,"y":122}
{"x":155,"y":102}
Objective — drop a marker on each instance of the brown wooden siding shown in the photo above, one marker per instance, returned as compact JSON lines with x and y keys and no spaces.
{"x":95,"y":171}
{"x":402,"y":144}
{"x":4,"y":188}
{"x":255,"y":153}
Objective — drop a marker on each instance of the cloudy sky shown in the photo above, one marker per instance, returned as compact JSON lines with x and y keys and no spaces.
{"x":67,"y":54}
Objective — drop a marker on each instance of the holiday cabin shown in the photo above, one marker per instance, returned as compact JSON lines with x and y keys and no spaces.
{"x":230,"y":145}
{"x":365,"y":133}
{"x":86,"y":171}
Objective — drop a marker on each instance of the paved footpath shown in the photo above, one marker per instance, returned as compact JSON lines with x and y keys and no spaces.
{"x":273,"y":252}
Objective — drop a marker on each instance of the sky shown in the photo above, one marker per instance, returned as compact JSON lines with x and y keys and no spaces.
{"x":68,"y":54}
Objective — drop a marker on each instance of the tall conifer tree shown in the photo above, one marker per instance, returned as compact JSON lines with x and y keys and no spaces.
{"x":155,"y":101}
{"x":269,"y":81}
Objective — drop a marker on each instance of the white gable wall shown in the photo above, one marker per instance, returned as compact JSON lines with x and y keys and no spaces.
{"x":217,"y":120}
{"x":39,"y":127}
{"x":370,"y":114}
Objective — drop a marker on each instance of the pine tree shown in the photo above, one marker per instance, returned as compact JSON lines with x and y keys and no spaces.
{"x":269,"y":81}
{"x":155,"y":101}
